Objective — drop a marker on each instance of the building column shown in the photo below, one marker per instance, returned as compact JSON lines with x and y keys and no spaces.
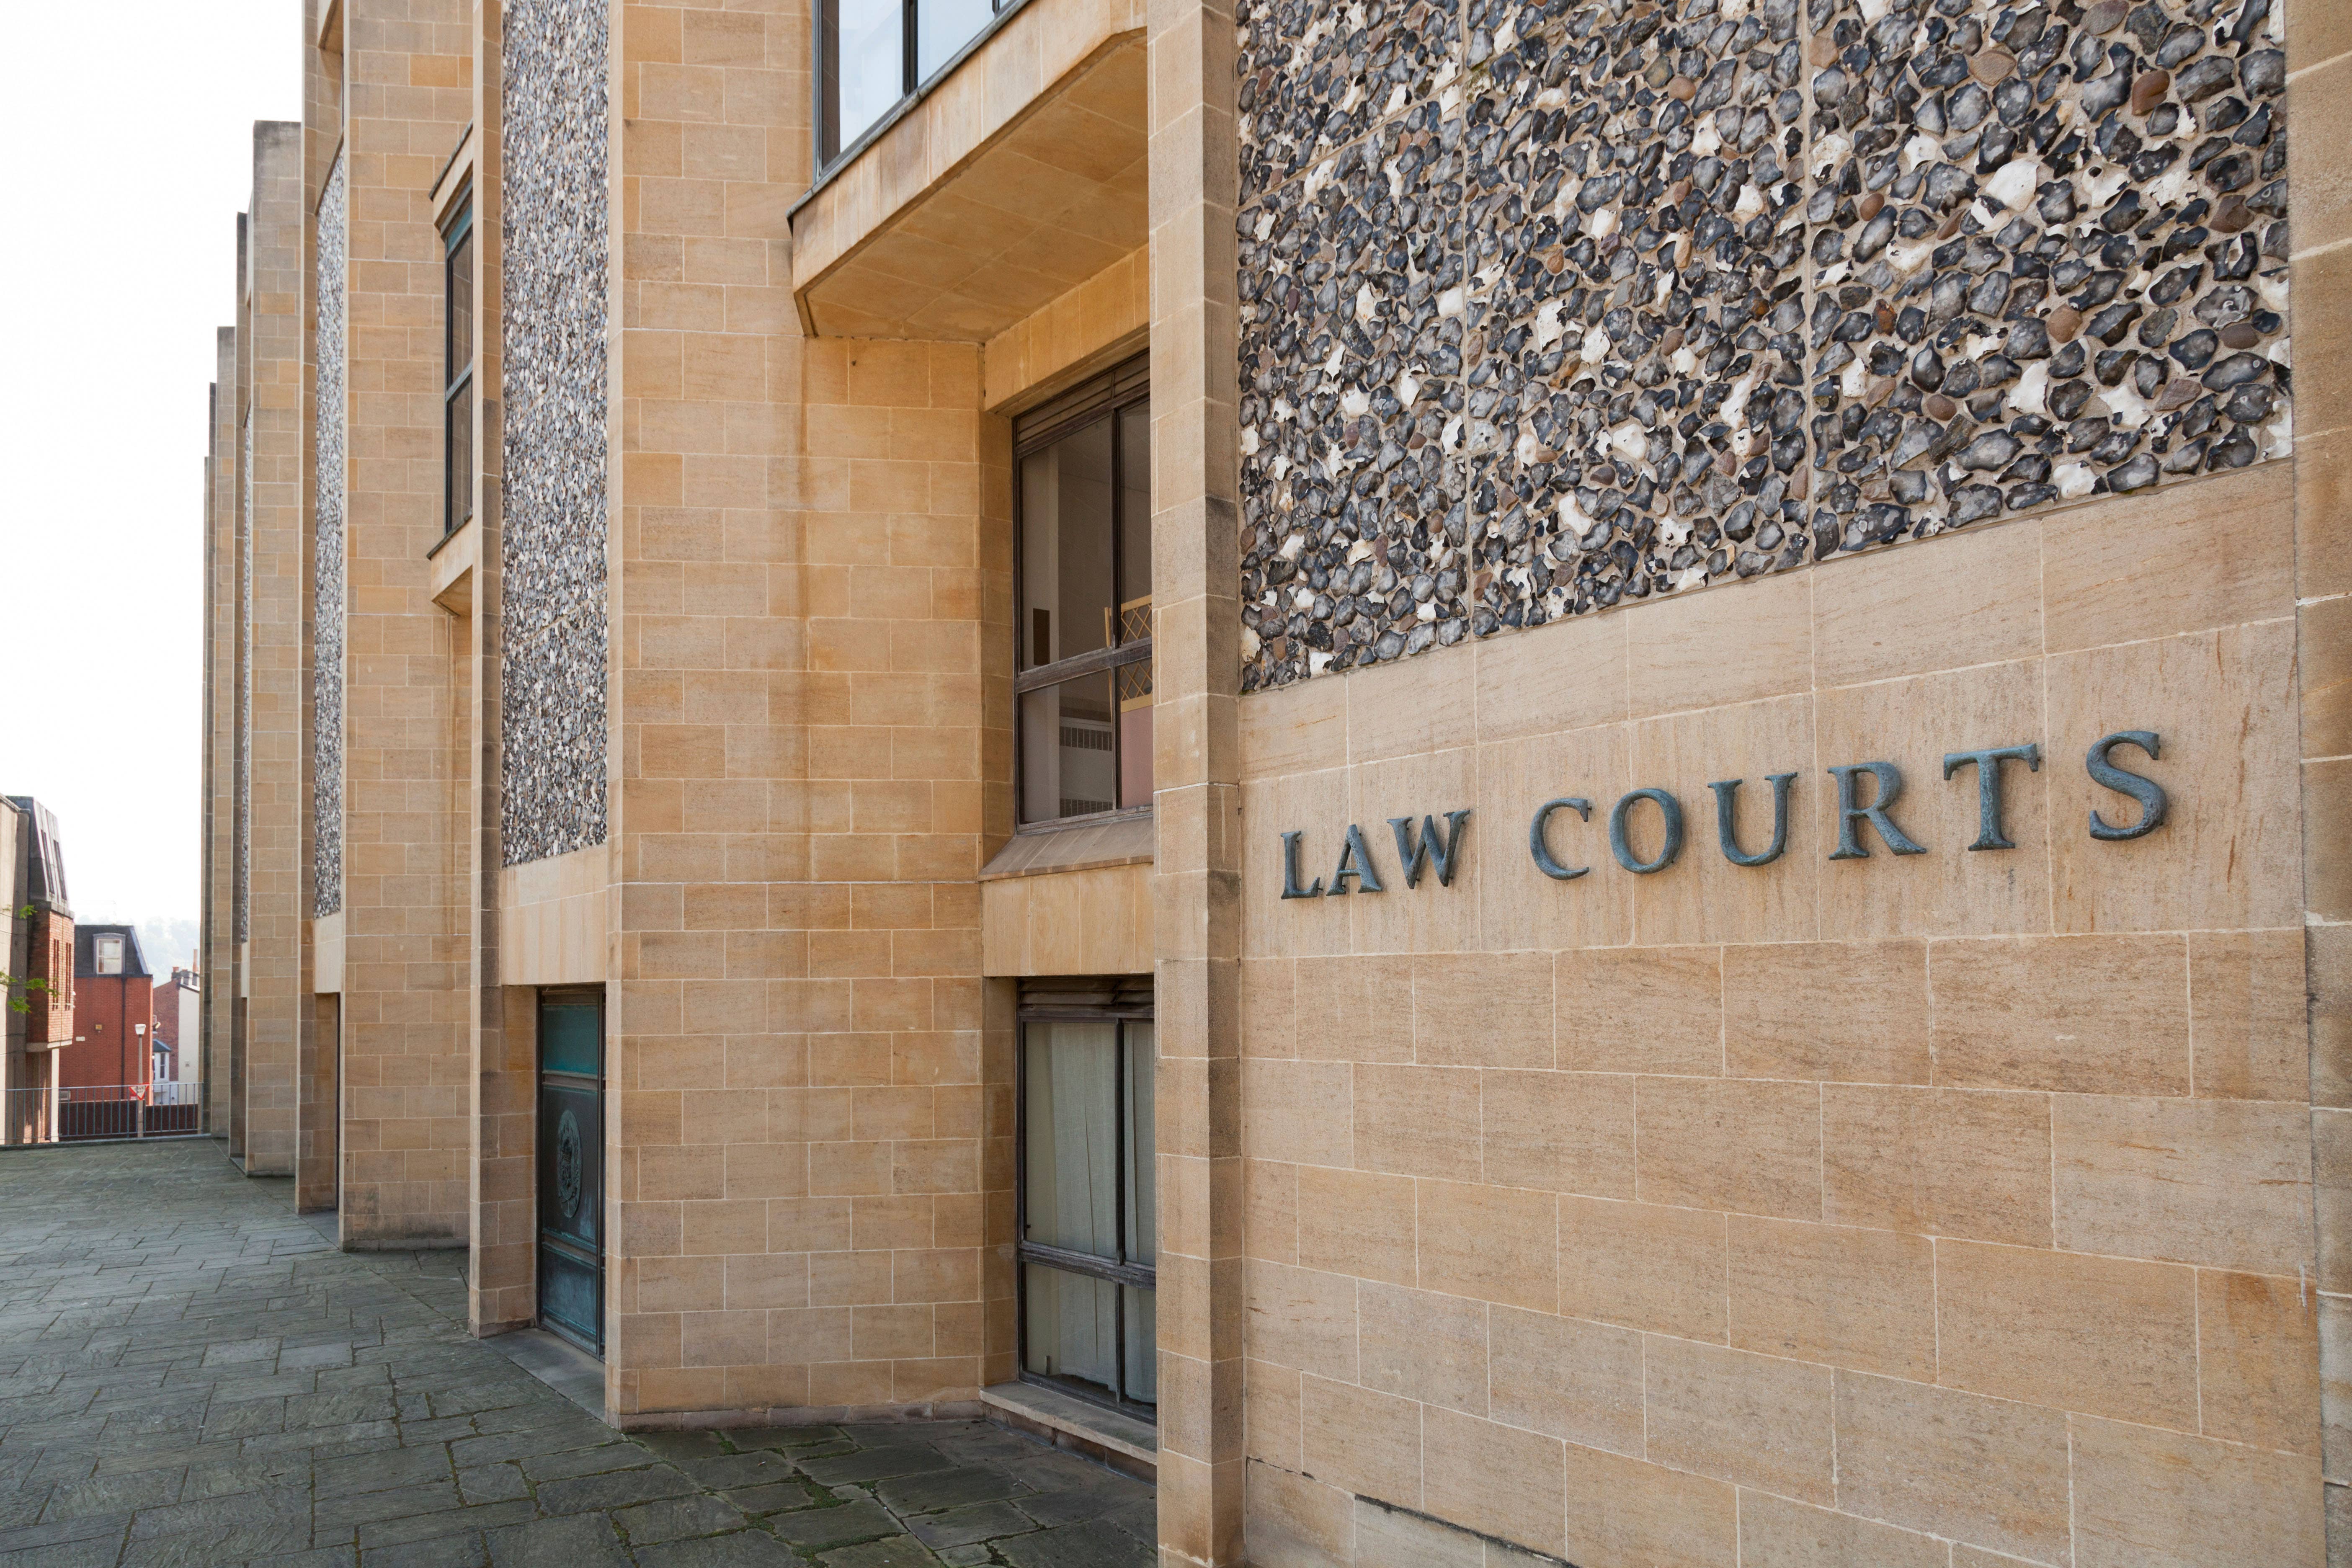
{"x":217,"y":940}
{"x":406,"y":70}
{"x":278,"y":683}
{"x":2320,"y":72}
{"x":1196,"y":911}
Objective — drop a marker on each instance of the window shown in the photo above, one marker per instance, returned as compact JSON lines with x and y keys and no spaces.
{"x":107,"y":952}
{"x":1086,"y":1197}
{"x":458,"y":388}
{"x":1083,"y":546}
{"x":872,"y":53}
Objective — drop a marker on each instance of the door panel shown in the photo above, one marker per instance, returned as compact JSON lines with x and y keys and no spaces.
{"x":571,"y":1184}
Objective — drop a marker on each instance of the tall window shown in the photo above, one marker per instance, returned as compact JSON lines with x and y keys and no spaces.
{"x":108,"y":951}
{"x":457,"y":379}
{"x":872,"y":53}
{"x":1083,"y":678}
{"x":1088,"y":1212}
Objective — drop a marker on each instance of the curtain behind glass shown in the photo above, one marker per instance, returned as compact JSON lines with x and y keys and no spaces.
{"x":1073,"y":1136}
{"x":1073,"y":1328}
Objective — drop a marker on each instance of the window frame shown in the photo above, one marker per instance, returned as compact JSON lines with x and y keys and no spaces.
{"x":456,"y":380}
{"x":824,"y":127}
{"x":105,"y":951}
{"x":1122,"y":1010}
{"x":1104,"y":396}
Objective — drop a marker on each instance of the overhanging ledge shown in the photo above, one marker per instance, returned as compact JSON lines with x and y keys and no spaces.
{"x":1018,"y":176}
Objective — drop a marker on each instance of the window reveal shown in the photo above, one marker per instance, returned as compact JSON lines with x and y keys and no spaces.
{"x":458,"y":376}
{"x":1087,"y":1197}
{"x":1084,"y":550}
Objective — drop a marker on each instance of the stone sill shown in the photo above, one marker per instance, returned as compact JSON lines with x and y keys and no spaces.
{"x":1122,"y":1442}
{"x":1124,"y":840}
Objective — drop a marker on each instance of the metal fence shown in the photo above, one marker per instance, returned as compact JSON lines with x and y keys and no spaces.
{"x":88,"y":1112}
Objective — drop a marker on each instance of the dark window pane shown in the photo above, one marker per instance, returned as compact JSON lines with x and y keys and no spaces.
{"x":1140,"y":1221}
{"x":1069,"y":750}
{"x":1134,"y":689}
{"x":460,"y":456}
{"x":869,"y":38}
{"x":1065,"y":547}
{"x":1143,"y":1347}
{"x":1135,"y":522}
{"x":570,"y":1038}
{"x":944,"y":27}
{"x":461,"y":308}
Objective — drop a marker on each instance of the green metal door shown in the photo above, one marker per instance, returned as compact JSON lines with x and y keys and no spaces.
{"x":571,"y":1165}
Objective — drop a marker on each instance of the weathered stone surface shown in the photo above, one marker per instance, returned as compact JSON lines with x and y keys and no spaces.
{"x":191,"y":1373}
{"x":556,"y":256}
{"x":1550,"y":306}
{"x":327,"y":601}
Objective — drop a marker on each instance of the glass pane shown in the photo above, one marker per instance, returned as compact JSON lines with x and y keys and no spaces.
{"x":1071,"y":1165}
{"x":570,"y":1164}
{"x":460,"y":458}
{"x":944,"y":27}
{"x":461,"y":307}
{"x":1069,"y":759}
{"x":567,"y":1294}
{"x":1065,"y":534}
{"x":570,"y":1038}
{"x":870,"y":41}
{"x":1142,"y":1346}
{"x":1141,"y":1218}
{"x":1133,"y":683}
{"x":1135,"y":522}
{"x":1070,"y":1326}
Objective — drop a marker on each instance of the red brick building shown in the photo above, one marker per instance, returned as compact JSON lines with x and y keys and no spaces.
{"x":114,"y":1010}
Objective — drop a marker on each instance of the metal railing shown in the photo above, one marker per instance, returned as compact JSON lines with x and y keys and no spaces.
{"x":82,"y":1114}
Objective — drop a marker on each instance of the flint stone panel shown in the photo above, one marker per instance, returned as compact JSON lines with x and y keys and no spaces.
{"x":1550,"y":306}
{"x":552,"y":622}
{"x":327,"y":606}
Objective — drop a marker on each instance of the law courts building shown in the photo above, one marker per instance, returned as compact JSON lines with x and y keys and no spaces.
{"x":1517,"y":783}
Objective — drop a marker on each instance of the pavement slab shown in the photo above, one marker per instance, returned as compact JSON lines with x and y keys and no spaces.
{"x":192,"y":1376}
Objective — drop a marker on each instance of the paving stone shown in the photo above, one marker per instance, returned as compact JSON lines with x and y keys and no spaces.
{"x":491,"y":1483}
{"x":746,"y":1549}
{"x":873,"y":1465}
{"x":1093,"y":1544}
{"x":778,"y":1498}
{"x":468,"y":1551}
{"x":335,"y":1517}
{"x":937,"y":1489}
{"x":823,"y":1526}
{"x":677,"y":1519}
{"x":584,"y":1540}
{"x":444,"y":1523}
{"x":962,"y":1526}
{"x":141,"y":1424}
{"x":380,"y":1471}
{"x":893,"y":1552}
{"x":738,"y":1469}
{"x":617,"y":1489}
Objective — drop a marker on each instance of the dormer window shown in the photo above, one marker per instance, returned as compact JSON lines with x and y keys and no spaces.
{"x":107,"y":950}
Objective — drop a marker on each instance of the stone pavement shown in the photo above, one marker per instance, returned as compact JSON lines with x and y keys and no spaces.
{"x":191,"y":1375}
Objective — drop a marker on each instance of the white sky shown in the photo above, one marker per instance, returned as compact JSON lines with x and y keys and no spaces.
{"x":132,"y":127}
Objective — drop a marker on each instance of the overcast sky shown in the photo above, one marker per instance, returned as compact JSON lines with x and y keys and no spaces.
{"x":131,"y":128}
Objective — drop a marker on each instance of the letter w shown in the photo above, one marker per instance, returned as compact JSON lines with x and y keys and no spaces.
{"x":1413,"y":856}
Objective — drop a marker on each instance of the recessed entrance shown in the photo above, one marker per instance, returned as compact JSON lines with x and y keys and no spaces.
{"x":572,"y":1166}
